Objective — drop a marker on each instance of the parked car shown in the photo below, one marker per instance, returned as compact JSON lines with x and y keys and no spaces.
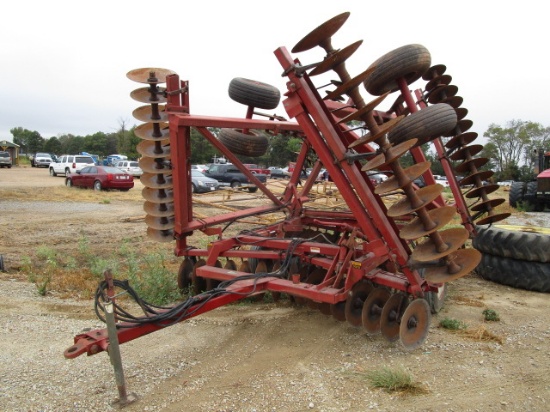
{"x":101,"y":177}
{"x":228,"y":175}
{"x":130,"y":166}
{"x":5,"y":159}
{"x":202,"y":184}
{"x":505,"y":183}
{"x":200,"y":168}
{"x":111,"y":160}
{"x":67,"y":164}
{"x":41,"y":159}
{"x":378,"y":177}
{"x":278,"y":173}
{"x":442,"y":180}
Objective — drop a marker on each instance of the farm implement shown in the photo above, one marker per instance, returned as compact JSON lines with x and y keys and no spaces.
{"x":381,"y":259}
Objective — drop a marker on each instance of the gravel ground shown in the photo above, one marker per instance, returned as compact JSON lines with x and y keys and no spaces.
{"x":254,"y":357}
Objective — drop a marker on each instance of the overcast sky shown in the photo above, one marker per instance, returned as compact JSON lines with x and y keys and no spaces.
{"x":64,"y":63}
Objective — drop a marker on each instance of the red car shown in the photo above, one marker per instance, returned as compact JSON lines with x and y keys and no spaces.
{"x":101,"y":177}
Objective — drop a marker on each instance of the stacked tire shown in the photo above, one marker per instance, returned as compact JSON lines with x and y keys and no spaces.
{"x":515,"y":257}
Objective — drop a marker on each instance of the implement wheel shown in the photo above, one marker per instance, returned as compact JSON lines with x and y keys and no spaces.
{"x":409,"y":62}
{"x":184,"y":274}
{"x":254,"y":93}
{"x":425,"y":125}
{"x":253,"y":144}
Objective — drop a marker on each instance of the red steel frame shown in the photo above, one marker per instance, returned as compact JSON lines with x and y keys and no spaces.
{"x":371,"y":241}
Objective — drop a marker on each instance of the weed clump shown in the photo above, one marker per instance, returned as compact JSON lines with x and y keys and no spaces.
{"x":397,"y":380}
{"x":452,"y":324}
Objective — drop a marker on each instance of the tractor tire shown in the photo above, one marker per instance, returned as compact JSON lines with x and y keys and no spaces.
{"x":521,"y":274}
{"x":425,"y":125}
{"x":530,"y":198}
{"x":517,"y":191}
{"x":254,"y":93}
{"x":410,"y":61}
{"x":514,"y":242}
{"x":253,"y":144}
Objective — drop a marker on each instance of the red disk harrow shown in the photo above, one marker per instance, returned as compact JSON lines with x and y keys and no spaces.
{"x":378,"y":265}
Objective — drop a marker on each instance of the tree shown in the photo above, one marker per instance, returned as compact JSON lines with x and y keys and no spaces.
{"x":52,"y":145}
{"x":29,"y":141}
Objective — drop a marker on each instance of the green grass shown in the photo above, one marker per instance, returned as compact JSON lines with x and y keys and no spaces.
{"x":391,"y":380}
{"x":452,"y":324}
{"x":490,"y":315}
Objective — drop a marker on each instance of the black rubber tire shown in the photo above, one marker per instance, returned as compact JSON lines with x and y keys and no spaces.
{"x":253,"y":144}
{"x":425,"y":125}
{"x":68,"y":183}
{"x":517,"y":191}
{"x":97,"y":185}
{"x":513,"y":243}
{"x":193,"y":188}
{"x":67,"y":172}
{"x":252,"y":189}
{"x":410,"y":61}
{"x":522,"y":274}
{"x":2,"y":266}
{"x":235,"y":184}
{"x":52,"y":172}
{"x":530,"y":192}
{"x":254,"y":93}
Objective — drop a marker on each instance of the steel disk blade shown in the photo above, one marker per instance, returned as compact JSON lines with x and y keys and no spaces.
{"x":493,"y":218}
{"x":466,"y":151}
{"x":434,"y":71}
{"x":159,"y":209}
{"x":472,"y":179}
{"x":453,"y":238}
{"x":438,"y":81}
{"x":335,"y":59}
{"x":426,"y":195}
{"x":355,"y":301}
{"x":372,"y":309}
{"x":160,"y":235}
{"x":156,"y":149}
{"x":145,"y":114}
{"x":454,"y":101}
{"x":471,"y":165}
{"x":184,"y":274}
{"x":144,"y":95}
{"x":462,"y":126}
{"x":461,"y":140}
{"x":157,"y":180}
{"x":482,"y":190}
{"x":365,"y":109}
{"x":461,"y":113}
{"x":415,"y":229}
{"x":338,"y":311}
{"x":391,"y":316}
{"x":158,"y":195}
{"x":466,"y":260}
{"x":415,"y":324}
{"x":152,"y":131}
{"x":441,"y":93}
{"x":382,"y":130}
{"x":345,"y":88}
{"x":487,"y":205}
{"x":391,"y":155}
{"x":150,"y":75}
{"x":411,"y":173}
{"x":321,"y":34}
{"x":151,"y":165}
{"x":160,"y":223}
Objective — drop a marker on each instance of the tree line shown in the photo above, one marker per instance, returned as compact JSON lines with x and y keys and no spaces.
{"x":512,"y":149}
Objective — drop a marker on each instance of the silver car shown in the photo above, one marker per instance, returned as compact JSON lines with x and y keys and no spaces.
{"x":130,"y":166}
{"x":202,"y":184}
{"x":5,"y":159}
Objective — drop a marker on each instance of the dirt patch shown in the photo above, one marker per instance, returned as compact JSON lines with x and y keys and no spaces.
{"x":243,"y":357}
